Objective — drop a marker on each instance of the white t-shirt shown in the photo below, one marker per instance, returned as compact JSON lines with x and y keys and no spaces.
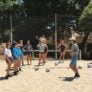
{"x":7,"y":52}
{"x":41,"y":47}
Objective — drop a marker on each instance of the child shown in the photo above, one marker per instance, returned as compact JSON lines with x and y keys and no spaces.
{"x":28,"y":49}
{"x":42,"y":51}
{"x":17,"y":56}
{"x":21,"y":47}
{"x":8,"y":58}
{"x":62,"y":46}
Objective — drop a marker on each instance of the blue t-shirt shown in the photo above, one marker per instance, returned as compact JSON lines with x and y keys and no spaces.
{"x":20,"y":53}
{"x":17,"y":53}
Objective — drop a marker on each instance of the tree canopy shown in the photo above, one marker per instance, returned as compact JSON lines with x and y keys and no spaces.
{"x":85,"y":20}
{"x":50,"y":7}
{"x":26,"y":13}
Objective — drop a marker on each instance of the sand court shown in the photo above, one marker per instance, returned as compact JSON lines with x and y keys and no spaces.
{"x":58,"y":79}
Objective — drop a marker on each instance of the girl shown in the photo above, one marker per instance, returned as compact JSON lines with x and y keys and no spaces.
{"x":28,"y":49}
{"x":42,"y":51}
{"x":62,"y":46}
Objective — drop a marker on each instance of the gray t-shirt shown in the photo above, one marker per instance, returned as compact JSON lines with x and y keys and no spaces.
{"x":75,"y":49}
{"x":41,"y":47}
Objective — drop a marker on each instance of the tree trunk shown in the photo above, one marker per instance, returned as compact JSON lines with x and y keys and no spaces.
{"x":84,"y":45}
{"x":85,"y":39}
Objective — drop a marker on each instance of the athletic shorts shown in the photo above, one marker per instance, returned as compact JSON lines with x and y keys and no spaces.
{"x":74,"y":60}
{"x":27,"y":52}
{"x":10,"y":58}
{"x":41,"y":52}
{"x":15,"y":58}
{"x":45,"y":50}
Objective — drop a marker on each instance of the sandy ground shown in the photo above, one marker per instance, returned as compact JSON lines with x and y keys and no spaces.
{"x":58,"y":79}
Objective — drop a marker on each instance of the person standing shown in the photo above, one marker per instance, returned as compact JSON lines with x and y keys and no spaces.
{"x":42,"y":52}
{"x":44,"y":41}
{"x":21,"y":47}
{"x":28,"y":51}
{"x":8,"y":58}
{"x":17,"y":54}
{"x":20,"y":55}
{"x":62,"y":46}
{"x":74,"y":57}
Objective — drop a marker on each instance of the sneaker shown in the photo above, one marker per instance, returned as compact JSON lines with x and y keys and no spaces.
{"x":36,"y":68}
{"x":7,"y":76}
{"x":20,"y":69}
{"x":15,"y":73}
{"x":39,"y":63}
{"x":76,"y":75}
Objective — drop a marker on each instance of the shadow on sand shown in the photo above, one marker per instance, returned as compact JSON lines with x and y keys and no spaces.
{"x":69,"y":79}
{"x":3,"y":78}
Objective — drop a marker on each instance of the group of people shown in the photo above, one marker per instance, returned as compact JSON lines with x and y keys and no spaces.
{"x":14,"y":54}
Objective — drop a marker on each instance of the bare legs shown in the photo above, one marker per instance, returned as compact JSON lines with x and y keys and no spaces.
{"x":42,"y":56}
{"x":29,"y":59}
{"x":62,"y":56}
{"x":75,"y":70}
{"x":9,"y":63}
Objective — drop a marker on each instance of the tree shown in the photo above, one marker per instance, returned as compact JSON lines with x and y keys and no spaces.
{"x":24,"y":9}
{"x":8,"y":8}
{"x":50,"y":7}
{"x":85,"y":20}
{"x":85,"y":23}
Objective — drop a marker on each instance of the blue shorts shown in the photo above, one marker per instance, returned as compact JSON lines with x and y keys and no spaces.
{"x":74,"y":60}
{"x":15,"y":58}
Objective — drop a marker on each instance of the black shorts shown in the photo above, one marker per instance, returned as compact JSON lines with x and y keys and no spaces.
{"x":62,"y":50}
{"x":15,"y":58}
{"x":27,"y":52}
{"x":45,"y":50}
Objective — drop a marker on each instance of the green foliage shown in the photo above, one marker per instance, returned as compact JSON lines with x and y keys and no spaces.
{"x":10,"y":6}
{"x":7,"y":8}
{"x":23,"y":10}
{"x":50,"y":7}
{"x":85,"y":20}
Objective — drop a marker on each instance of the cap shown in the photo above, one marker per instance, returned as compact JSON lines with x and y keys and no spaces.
{"x":72,"y":39}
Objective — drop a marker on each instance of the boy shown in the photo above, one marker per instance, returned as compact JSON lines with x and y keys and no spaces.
{"x":17,"y":56}
{"x":8,"y":58}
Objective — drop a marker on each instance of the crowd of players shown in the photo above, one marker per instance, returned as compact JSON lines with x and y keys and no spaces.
{"x":14,"y":54}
